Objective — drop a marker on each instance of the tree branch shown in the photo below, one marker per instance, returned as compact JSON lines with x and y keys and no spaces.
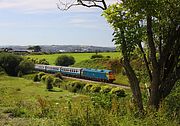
{"x":86,"y":3}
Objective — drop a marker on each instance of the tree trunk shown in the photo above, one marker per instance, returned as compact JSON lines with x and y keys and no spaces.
{"x":154,"y":89}
{"x":134,"y":83}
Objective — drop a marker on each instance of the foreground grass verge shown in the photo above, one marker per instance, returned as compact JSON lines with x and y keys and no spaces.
{"x":25,"y":103}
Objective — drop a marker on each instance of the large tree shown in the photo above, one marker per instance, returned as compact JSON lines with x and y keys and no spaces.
{"x":153,"y":26}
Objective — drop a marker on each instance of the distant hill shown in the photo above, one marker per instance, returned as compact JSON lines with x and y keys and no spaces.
{"x":65,"y":48}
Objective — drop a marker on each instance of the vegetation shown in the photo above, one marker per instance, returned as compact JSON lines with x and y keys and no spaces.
{"x":77,"y":56}
{"x":130,"y":32}
{"x":38,"y":61}
{"x":65,"y":60}
{"x":156,"y":25}
{"x":96,"y":56}
{"x":35,"y":48}
{"x":26,"y":66}
{"x":28,"y":103}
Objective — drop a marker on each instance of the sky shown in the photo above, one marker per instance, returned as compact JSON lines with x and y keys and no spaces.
{"x":40,"y":22}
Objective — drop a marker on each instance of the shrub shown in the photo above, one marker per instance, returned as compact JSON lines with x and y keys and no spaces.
{"x":20,"y":74}
{"x":43,"y":61}
{"x":26,"y":66}
{"x":87,"y":87}
{"x":105,"y":89}
{"x":40,"y":74}
{"x":1,"y":70}
{"x":10,"y":62}
{"x":65,"y":60}
{"x":118,"y":92}
{"x":172,"y":103}
{"x":49,"y":82}
{"x":35,"y":79}
{"x":75,"y":86}
{"x":96,"y":56}
{"x":56,"y":82}
{"x":95,"y":88}
{"x":58,"y":75}
{"x":43,"y":78}
{"x":115,"y":65}
{"x":78,"y":86}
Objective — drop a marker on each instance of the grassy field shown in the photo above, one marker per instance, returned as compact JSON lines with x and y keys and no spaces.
{"x":78,"y":56}
{"x":26,"y":103}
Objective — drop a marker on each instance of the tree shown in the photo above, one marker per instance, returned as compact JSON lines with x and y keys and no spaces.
{"x":26,"y":66}
{"x":10,"y":62}
{"x":35,"y":48}
{"x":156,"y":24}
{"x":65,"y":60}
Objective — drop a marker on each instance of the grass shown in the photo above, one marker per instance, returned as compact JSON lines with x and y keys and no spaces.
{"x":25,"y":103}
{"x":78,"y":56}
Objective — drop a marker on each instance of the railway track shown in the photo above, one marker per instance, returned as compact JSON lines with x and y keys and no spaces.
{"x":104,"y":83}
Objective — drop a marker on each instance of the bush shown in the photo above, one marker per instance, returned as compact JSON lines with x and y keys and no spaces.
{"x":105,"y":89}
{"x":43,"y":61}
{"x":43,"y":78}
{"x":87,"y":87}
{"x":96,"y":56}
{"x":2,"y":70}
{"x":65,"y":60}
{"x":56,"y":82}
{"x":20,"y":74}
{"x":26,"y":66}
{"x":118,"y":92}
{"x":40,"y":74}
{"x":10,"y":62}
{"x":75,"y":86}
{"x":58,"y":75}
{"x":95,"y":88}
{"x":172,"y":103}
{"x":49,"y":83}
{"x":115,"y":65}
{"x":36,"y":79}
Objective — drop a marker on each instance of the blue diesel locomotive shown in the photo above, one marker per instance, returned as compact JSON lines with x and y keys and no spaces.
{"x":92,"y":74}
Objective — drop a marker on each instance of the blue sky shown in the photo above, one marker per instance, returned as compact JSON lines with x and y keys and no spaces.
{"x":39,"y":22}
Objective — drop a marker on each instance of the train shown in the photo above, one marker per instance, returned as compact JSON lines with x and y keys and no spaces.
{"x":85,"y":73}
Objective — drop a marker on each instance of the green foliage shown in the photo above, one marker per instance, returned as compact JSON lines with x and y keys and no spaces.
{"x":95,"y":88}
{"x":49,"y":82}
{"x":58,"y":75}
{"x":105,"y":89}
{"x":38,"y":61}
{"x":43,"y":61}
{"x":78,"y":56}
{"x":56,"y":82}
{"x":65,"y":60}
{"x":96,"y":56}
{"x":87,"y":87}
{"x":43,"y":78}
{"x":36,"y":78}
{"x":115,"y":65}
{"x":32,"y":105}
{"x":10,"y":62}
{"x":102,"y":100}
{"x":99,"y":63}
{"x":40,"y":74}
{"x":26,"y":66}
{"x":35,"y":48}
{"x":118,"y":92}
{"x":172,"y":103}
{"x":20,"y":74}
{"x":75,"y":86}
